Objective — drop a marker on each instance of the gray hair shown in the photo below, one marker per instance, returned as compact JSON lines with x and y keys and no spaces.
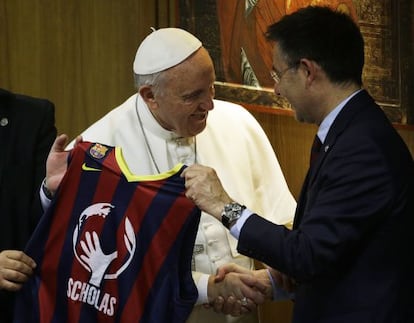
{"x":155,"y":80}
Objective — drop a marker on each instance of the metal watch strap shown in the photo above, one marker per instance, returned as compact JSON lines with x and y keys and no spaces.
{"x":231,"y":213}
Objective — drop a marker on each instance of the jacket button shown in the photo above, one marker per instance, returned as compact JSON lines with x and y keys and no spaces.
{"x":4,"y":122}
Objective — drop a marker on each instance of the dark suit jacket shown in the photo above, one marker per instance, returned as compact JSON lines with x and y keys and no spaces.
{"x":27,"y":131}
{"x":351,"y":247}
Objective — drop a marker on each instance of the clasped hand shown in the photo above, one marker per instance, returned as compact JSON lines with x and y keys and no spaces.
{"x":236,"y":290}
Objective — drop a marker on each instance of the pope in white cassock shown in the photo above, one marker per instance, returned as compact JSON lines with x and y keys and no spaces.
{"x":174,"y":118}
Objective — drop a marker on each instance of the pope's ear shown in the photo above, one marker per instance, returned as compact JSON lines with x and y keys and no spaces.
{"x":147,"y":95}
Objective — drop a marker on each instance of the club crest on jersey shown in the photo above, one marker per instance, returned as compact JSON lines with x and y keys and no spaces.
{"x":98,"y":151}
{"x":103,"y":253}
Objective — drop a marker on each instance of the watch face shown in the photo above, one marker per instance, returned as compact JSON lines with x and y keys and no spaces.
{"x":234,"y":208}
{"x":231,"y":213}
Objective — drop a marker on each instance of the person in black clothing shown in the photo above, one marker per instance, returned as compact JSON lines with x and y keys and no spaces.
{"x":27,"y":131}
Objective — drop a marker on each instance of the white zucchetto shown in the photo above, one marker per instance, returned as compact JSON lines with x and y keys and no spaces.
{"x":163,"y":49}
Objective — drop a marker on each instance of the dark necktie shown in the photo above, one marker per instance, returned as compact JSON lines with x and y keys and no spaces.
{"x":316,"y":148}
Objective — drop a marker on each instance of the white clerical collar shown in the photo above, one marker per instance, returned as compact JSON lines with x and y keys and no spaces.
{"x":151,"y":124}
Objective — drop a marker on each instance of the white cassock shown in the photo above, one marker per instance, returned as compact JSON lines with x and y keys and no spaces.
{"x":235,"y":145}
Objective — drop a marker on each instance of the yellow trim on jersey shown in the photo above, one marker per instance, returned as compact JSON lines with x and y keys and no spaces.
{"x":133,"y":178}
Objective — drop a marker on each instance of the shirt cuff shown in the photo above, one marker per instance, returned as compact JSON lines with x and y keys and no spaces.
{"x":279,"y":294}
{"x":45,"y":201}
{"x":202,"y":285}
{"x":236,"y":228}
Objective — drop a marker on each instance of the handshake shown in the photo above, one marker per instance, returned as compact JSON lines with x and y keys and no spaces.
{"x":236,"y":290}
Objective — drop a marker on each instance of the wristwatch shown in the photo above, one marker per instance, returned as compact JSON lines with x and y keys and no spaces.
{"x":231,"y":213}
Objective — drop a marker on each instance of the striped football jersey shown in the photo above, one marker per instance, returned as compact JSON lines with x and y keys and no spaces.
{"x":113,"y":246}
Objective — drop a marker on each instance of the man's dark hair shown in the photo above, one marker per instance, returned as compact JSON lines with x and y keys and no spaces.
{"x":330,"y":38}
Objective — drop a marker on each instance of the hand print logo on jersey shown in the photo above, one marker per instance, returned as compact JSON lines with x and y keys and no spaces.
{"x":100,"y":257}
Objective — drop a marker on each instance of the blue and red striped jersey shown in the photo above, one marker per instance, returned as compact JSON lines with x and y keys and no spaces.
{"x":113,"y":247}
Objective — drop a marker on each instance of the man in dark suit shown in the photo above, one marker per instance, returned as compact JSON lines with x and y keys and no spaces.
{"x":350,"y":253}
{"x":27,"y":131}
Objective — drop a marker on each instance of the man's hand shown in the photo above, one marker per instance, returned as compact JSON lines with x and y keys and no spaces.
{"x":15,"y":269}
{"x":56,"y":163}
{"x":263,"y":285}
{"x":205,"y":189}
{"x":237,"y":293}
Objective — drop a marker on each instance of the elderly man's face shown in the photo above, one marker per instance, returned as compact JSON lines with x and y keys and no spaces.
{"x":186,"y":95}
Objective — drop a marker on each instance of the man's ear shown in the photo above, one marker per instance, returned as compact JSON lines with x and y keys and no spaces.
{"x":310,"y":68}
{"x":148,"y":96}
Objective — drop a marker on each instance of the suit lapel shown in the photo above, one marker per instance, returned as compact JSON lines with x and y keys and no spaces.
{"x":342,"y":121}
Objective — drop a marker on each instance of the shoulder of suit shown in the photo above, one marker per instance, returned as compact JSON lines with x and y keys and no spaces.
{"x":4,"y":97}
{"x":9,"y":99}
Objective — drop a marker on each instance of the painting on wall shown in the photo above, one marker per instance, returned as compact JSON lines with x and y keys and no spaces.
{"x":233,"y":32}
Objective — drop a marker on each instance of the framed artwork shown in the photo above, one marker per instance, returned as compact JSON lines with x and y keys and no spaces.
{"x":233,"y":32}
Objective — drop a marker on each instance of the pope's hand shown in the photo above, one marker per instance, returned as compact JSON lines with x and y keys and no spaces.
{"x":56,"y":163}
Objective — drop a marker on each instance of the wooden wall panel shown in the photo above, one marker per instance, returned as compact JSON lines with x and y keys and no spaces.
{"x":76,"y":53}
